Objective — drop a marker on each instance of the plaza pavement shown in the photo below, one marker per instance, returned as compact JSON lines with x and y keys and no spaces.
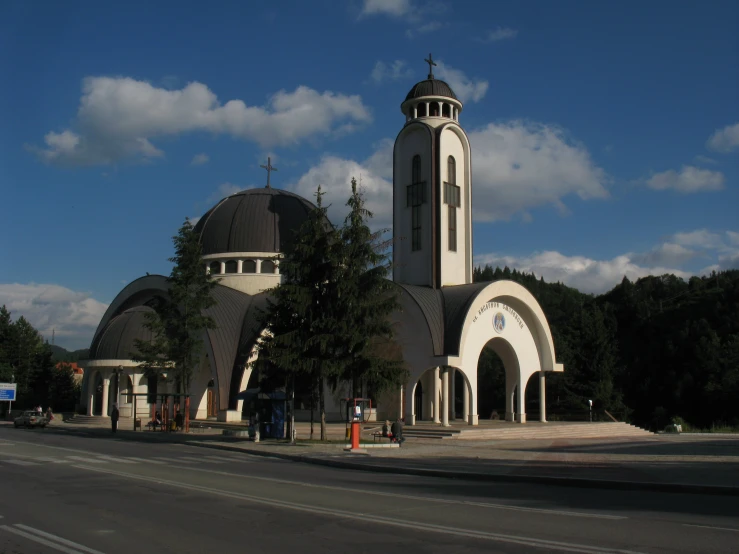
{"x":706,"y":464}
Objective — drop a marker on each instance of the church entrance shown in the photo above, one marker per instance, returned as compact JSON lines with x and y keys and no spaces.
{"x":212,"y":409}
{"x":97,"y":403}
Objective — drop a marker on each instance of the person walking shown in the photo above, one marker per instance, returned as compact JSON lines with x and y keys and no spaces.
{"x":114,"y":414}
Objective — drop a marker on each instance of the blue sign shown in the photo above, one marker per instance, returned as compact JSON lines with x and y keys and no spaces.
{"x":7,"y":392}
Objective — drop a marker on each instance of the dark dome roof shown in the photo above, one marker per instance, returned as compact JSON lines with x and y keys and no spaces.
{"x":254,"y":220}
{"x":431,"y":87}
{"x":116,"y":342}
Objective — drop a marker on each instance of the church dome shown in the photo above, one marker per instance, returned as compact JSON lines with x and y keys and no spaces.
{"x":254,"y":220}
{"x":431,"y":87}
{"x":118,"y":339}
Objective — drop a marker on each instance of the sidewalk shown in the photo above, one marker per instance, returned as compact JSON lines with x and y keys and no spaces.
{"x":690,"y":464}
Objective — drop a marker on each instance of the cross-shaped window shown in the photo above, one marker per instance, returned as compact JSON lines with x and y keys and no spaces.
{"x":453,"y":201}
{"x":415,"y":197}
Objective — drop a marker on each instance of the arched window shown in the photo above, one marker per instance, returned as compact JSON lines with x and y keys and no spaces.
{"x":249,"y":266}
{"x":215,"y":268}
{"x":453,"y":201}
{"x":268,"y":266}
{"x":434,"y":109}
{"x":231,"y":266}
{"x":415,"y":197}
{"x":421,"y":109}
{"x":445,"y":110}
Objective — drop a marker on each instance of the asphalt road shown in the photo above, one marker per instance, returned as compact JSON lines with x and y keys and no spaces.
{"x":64,"y":493}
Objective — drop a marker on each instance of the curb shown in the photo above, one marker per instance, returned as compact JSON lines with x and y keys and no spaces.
{"x":685,"y":488}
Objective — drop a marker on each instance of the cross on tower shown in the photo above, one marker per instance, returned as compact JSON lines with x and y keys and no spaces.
{"x":431,"y":63}
{"x":269,"y":169}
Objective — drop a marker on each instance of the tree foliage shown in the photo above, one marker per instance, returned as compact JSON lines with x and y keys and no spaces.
{"x":180,"y":318}
{"x":650,"y":350}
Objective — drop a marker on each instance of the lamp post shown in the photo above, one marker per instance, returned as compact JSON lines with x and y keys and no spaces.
{"x":590,"y":404}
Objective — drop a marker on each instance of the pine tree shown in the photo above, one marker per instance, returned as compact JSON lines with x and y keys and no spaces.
{"x":366,"y":300}
{"x":300,"y":318}
{"x":179,"y":320}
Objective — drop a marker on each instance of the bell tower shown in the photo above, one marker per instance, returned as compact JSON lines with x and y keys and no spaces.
{"x":432,"y":195}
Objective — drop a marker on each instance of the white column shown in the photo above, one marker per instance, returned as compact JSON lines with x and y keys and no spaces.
{"x":106,"y":385}
{"x":427,"y":109}
{"x":521,"y":393}
{"x":259,"y":266}
{"x":435,"y":399}
{"x":401,"y":413}
{"x":445,"y":396}
{"x":240,"y":266}
{"x":90,"y":402}
{"x":440,"y":106}
{"x":542,"y":397}
{"x":465,"y":401}
{"x":223,"y":268}
{"x":510,"y":388}
{"x":415,"y":111}
{"x":452,"y":393}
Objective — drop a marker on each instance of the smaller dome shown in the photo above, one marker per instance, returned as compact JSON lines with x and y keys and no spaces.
{"x":117,"y":341}
{"x":431,"y":87}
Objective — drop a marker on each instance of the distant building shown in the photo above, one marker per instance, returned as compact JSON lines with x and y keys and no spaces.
{"x":79,"y":372}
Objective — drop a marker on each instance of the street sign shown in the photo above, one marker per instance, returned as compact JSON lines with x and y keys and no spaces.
{"x":7,"y":392}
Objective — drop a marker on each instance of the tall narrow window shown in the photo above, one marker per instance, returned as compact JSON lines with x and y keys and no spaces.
{"x":453,"y":201}
{"x":415,"y":197}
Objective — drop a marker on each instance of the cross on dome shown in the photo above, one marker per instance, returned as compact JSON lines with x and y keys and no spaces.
{"x":269,"y":169}
{"x":431,"y":63}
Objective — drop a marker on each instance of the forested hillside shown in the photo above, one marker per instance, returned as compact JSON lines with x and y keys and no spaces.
{"x":647,"y":351}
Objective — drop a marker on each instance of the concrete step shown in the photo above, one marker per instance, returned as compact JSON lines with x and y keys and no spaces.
{"x":546,"y":431}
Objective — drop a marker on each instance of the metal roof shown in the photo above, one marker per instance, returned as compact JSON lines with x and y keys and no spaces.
{"x":254,"y":220}
{"x":431,"y":87}
{"x":117,"y":341}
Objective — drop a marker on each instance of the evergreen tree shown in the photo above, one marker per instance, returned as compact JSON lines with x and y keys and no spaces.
{"x":366,"y":300}
{"x":179,"y":320}
{"x":301,"y":316}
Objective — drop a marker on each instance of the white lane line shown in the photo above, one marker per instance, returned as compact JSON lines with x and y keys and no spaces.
{"x":413,"y":497}
{"x":34,"y":538}
{"x":712,"y":527}
{"x":229,"y":459}
{"x":50,"y":460}
{"x":21,"y":462}
{"x":145,"y":460}
{"x":57,"y":538}
{"x":115,"y":459}
{"x":86,"y":460}
{"x":365,"y":517}
{"x":200,"y":459}
{"x":173,"y":460}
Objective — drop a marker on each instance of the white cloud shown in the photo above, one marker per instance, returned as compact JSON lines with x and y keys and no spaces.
{"x":665,"y":254}
{"x":334,"y":174}
{"x":117,"y":117}
{"x":501,"y":33}
{"x":424,"y":28}
{"x":733,"y":237}
{"x":688,"y":179}
{"x":392,"y":8}
{"x":701,"y":238}
{"x":464,"y":87}
{"x":200,"y":159}
{"x":725,"y":140}
{"x":224,"y":190}
{"x":390,"y":72}
{"x":705,"y":160}
{"x":72,"y":316}
{"x":521,"y":165}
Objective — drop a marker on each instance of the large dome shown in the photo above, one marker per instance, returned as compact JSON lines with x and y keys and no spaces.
{"x":254,"y":220}
{"x":431,"y":87}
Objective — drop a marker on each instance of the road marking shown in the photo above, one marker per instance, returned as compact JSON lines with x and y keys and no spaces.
{"x":145,"y":460}
{"x":22,"y":462}
{"x":116,"y":459}
{"x":711,"y":527}
{"x":86,"y":460}
{"x":364,"y":517}
{"x":50,"y":460}
{"x":226,"y":459}
{"x":413,"y":497}
{"x":199,"y":459}
{"x":47,"y":539}
{"x":173,"y":460}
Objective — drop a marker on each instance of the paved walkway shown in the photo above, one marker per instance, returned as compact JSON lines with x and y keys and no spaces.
{"x":688,"y":463}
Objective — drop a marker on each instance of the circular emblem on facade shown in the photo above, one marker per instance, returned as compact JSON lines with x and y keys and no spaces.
{"x":499,"y":322}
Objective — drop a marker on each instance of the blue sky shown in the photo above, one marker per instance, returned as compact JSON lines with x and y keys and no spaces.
{"x":604,"y":134}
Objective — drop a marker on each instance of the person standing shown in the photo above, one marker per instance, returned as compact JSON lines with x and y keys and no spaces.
{"x":114,"y":414}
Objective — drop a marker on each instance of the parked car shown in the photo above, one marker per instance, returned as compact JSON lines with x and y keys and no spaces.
{"x":31,"y":419}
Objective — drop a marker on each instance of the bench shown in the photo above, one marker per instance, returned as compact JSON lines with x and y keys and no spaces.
{"x":152,"y":426}
{"x":378,"y":435}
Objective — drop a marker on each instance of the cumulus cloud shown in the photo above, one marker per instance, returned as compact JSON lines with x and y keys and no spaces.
{"x":665,"y":254}
{"x":200,"y":159}
{"x":424,"y":28}
{"x":224,"y":190}
{"x":466,"y":89}
{"x":501,"y":33}
{"x":725,"y":140}
{"x":72,"y":316}
{"x":392,"y":8}
{"x":394,"y":71}
{"x":521,"y":165}
{"x":118,"y":117}
{"x":688,"y":179}
{"x":334,"y":174}
{"x":419,"y":15}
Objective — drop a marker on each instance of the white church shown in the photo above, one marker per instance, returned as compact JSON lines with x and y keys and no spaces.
{"x":445,"y":323}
